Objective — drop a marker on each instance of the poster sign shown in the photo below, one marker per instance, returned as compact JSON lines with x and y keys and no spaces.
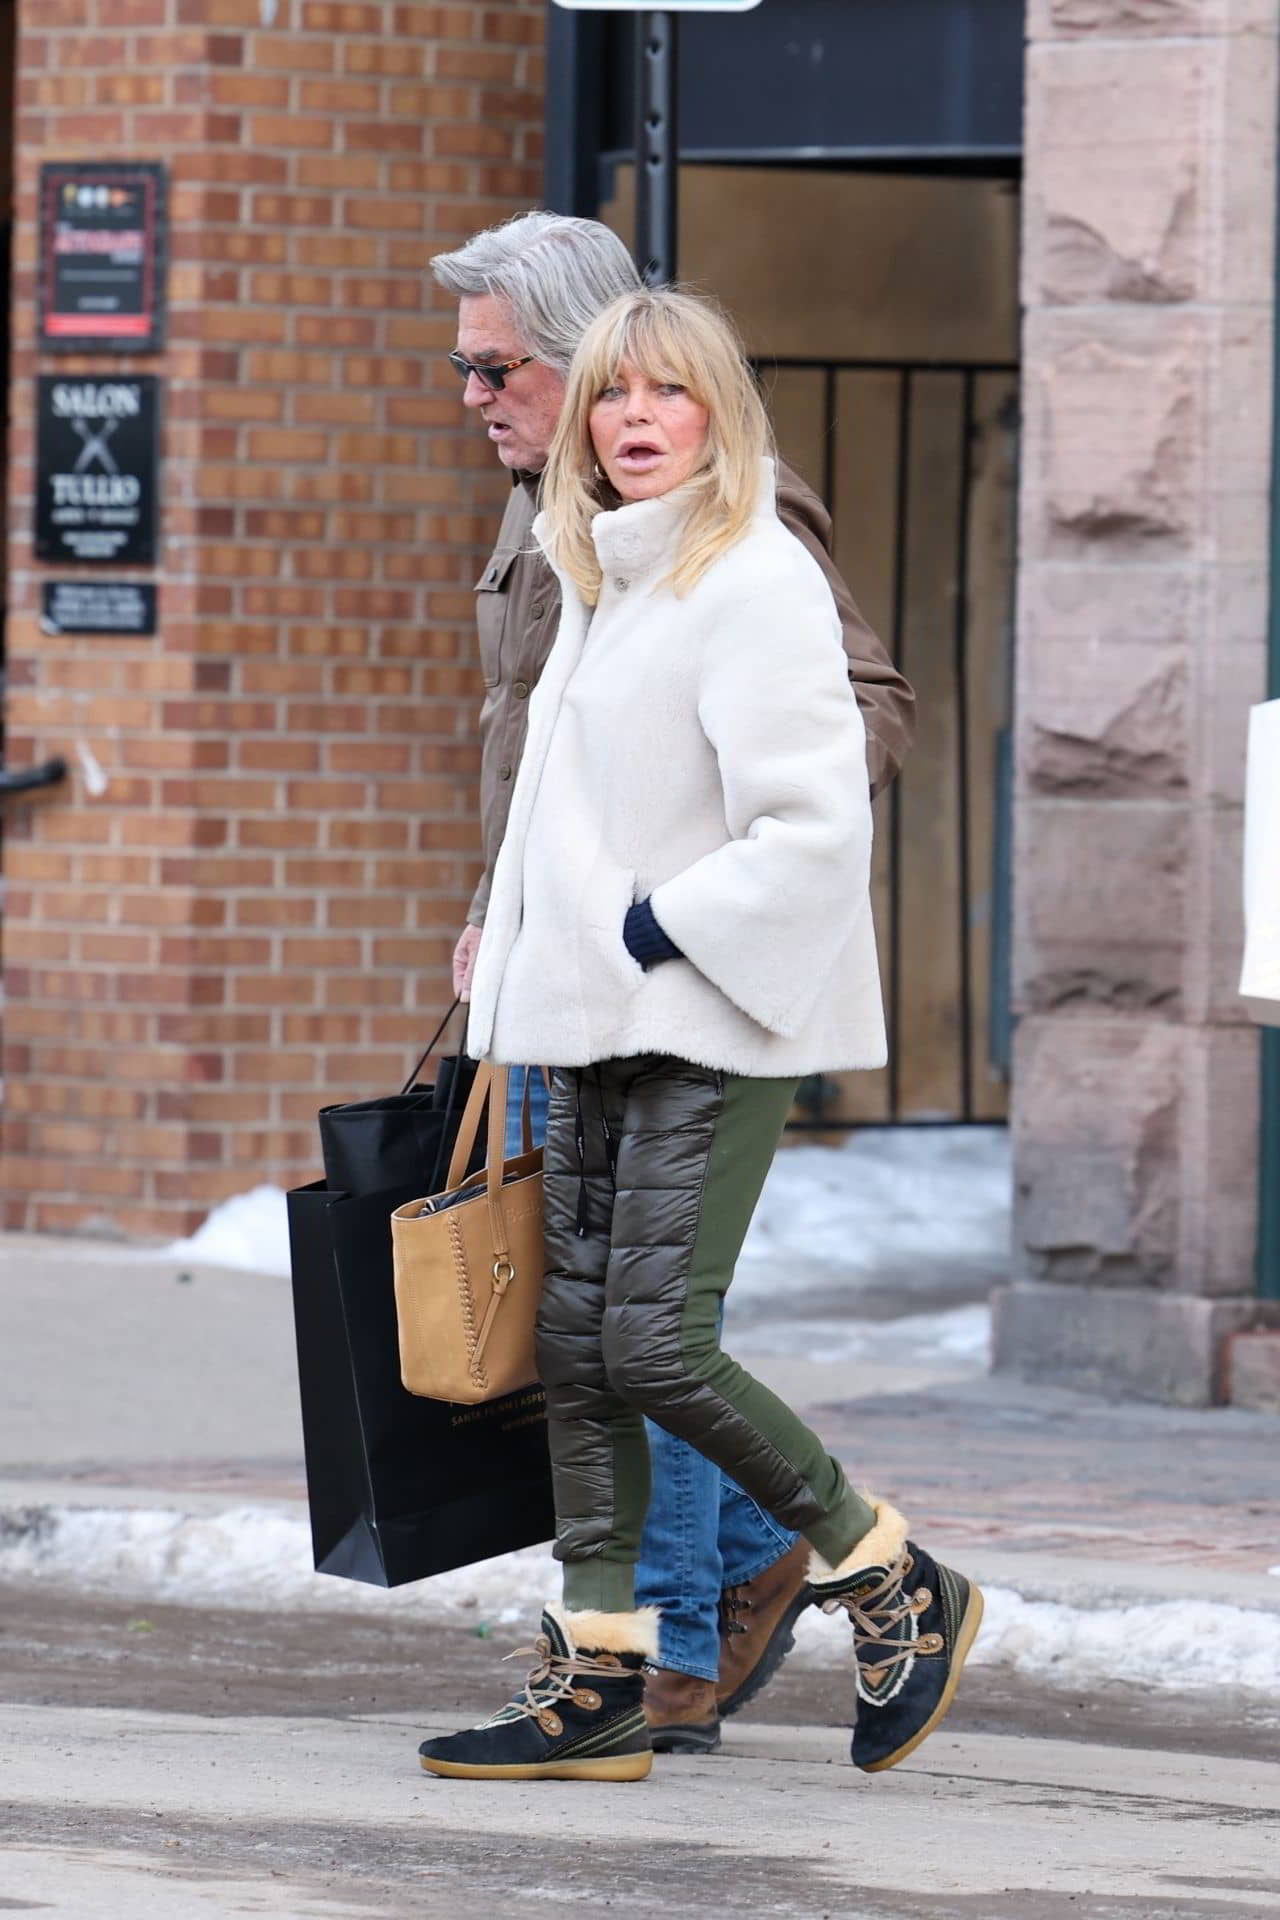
{"x":98,"y":606}
{"x":102,"y":246}
{"x":96,"y":468}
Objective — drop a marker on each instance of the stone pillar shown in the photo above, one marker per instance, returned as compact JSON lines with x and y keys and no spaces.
{"x":1150,"y":216}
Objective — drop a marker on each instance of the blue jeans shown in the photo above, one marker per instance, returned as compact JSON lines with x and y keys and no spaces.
{"x":538,"y":1097}
{"x":703,"y":1533}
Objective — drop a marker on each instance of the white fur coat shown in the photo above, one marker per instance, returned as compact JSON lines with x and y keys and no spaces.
{"x":707,"y":752}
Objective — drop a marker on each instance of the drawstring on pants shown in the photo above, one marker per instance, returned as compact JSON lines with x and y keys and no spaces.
{"x":580,"y":1142}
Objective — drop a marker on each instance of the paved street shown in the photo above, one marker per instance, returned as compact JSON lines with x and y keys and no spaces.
{"x":178,"y":1814}
{"x":178,"y":1761}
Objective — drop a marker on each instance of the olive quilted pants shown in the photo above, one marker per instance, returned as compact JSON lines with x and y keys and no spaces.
{"x":653,"y":1168}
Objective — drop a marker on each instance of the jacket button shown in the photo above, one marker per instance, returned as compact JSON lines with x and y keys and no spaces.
{"x":621,"y":584}
{"x":521,"y":690}
{"x":537,"y":610}
{"x":504,"y":773}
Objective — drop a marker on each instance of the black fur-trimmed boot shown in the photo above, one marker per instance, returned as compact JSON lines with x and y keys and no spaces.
{"x":580,"y":1714}
{"x":914,"y":1622}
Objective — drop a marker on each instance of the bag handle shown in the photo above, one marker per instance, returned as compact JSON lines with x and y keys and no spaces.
{"x":469,"y":1126}
{"x":430,"y":1048}
{"x":491,"y":1083}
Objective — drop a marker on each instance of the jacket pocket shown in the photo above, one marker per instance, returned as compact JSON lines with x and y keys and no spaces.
{"x":612,"y":892}
{"x":492,"y":602}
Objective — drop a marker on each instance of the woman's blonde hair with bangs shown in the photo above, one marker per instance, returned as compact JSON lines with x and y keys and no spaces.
{"x":672,"y":336}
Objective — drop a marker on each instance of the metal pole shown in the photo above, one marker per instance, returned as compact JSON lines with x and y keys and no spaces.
{"x":657,"y":146}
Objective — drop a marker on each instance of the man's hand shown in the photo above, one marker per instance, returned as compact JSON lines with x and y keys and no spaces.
{"x":464,"y":961}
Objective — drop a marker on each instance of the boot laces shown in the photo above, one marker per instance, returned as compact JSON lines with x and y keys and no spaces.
{"x":550,"y":1682}
{"x":733,"y":1601}
{"x":883,"y":1619}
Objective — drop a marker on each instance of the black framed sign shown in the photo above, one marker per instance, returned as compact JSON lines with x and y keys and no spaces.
{"x":102,"y":248}
{"x":96,"y":466}
{"x":98,"y":606}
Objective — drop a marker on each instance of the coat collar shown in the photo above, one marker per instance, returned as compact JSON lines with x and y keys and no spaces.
{"x":642,"y":536}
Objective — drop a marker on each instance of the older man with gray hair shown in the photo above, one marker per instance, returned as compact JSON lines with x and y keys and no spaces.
{"x":728,"y":1581}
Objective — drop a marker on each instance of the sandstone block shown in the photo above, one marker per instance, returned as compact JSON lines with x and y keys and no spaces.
{"x":1115,"y":430}
{"x":1096,"y":1128}
{"x":1246,"y":149}
{"x":1090,"y":607}
{"x":1104,"y":720}
{"x":1226,"y":681}
{"x":1237,"y":448}
{"x":1100,"y":905}
{"x":1050,"y":19}
{"x":1215,"y":917}
{"x":1115,"y":190}
{"x":1149,"y":1346}
{"x":1253,"y":1371}
{"x":1218,"y":1160}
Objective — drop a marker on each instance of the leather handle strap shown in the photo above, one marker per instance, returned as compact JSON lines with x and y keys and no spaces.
{"x":468,"y":1127}
{"x":430,"y":1048}
{"x":492,"y":1083}
{"x":495,"y":1160}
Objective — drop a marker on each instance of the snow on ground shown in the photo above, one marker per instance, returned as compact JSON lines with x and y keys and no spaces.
{"x":957,"y":1339}
{"x":256,"y":1557}
{"x":891,"y":1204}
{"x":249,"y":1233}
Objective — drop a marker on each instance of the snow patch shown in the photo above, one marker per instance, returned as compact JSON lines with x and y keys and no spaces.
{"x":1174,"y":1645}
{"x":246,"y":1558}
{"x":249,"y":1232}
{"x":960,"y":1334}
{"x":256,"y":1558}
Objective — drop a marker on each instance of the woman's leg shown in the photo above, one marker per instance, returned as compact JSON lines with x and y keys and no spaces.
{"x":580,"y":1715}
{"x":599,"y":1452}
{"x":694,"y":1151}
{"x":694,"y":1148}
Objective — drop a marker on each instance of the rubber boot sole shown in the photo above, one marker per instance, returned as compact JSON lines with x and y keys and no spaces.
{"x":964,"y":1641}
{"x":777,"y":1647}
{"x":704,"y":1738}
{"x":619,"y":1766}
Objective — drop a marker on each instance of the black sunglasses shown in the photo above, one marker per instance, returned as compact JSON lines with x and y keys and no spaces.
{"x":493,"y":376}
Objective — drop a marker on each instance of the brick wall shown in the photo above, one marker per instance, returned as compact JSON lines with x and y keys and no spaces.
{"x":256,"y":915}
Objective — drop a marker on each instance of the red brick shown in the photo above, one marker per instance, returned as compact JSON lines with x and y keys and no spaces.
{"x":292,"y":53}
{"x":250,"y":90}
{"x":342,"y":16}
{"x":397,"y":58}
{"x":339,"y":97}
{"x":345,"y":172}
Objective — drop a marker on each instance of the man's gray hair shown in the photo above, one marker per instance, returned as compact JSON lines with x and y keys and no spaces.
{"x":555,"y":272}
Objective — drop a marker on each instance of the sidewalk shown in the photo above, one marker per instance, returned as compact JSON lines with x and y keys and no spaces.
{"x":134,"y":1380}
{"x":163,"y":1756}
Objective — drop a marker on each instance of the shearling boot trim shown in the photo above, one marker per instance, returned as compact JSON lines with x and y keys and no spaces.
{"x":593,"y":1632}
{"x":879,"y":1548}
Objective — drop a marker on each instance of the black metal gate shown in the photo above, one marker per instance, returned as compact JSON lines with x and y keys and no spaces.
{"x":916,"y":462}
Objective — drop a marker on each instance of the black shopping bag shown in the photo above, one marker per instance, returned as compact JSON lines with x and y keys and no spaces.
{"x":399,"y":1487}
{"x":399,"y":1138}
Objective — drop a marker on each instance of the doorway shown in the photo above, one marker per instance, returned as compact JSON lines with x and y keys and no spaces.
{"x":881,"y":310}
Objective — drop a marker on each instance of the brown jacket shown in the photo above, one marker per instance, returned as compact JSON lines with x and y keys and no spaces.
{"x":518,"y":611}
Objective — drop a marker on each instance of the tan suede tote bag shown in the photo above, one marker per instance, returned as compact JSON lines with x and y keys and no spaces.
{"x":468,"y":1264}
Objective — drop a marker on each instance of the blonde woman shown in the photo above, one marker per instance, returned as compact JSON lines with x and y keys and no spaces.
{"x":680,"y":917}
